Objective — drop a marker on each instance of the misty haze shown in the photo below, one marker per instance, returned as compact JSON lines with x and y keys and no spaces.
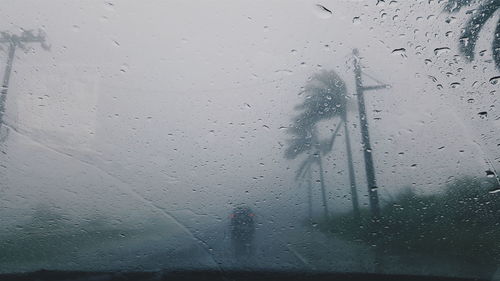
{"x":333,"y":136}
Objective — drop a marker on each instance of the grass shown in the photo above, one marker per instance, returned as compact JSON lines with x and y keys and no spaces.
{"x":461,"y":222}
{"x":49,"y":235}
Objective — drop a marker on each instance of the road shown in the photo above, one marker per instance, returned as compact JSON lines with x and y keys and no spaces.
{"x":208,"y":246}
{"x":277,"y":248}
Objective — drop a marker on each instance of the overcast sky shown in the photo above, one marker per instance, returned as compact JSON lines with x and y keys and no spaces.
{"x":185,"y":104}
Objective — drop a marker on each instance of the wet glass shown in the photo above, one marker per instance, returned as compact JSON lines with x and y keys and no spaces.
{"x":353,"y":136}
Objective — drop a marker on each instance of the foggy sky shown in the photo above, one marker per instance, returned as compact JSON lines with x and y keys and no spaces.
{"x":184,"y":105}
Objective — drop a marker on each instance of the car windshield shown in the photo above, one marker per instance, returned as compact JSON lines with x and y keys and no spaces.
{"x":298,"y":135}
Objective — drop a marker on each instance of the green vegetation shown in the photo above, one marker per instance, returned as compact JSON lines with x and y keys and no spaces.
{"x":461,"y":222}
{"x":484,"y":11}
{"x":50,"y":235}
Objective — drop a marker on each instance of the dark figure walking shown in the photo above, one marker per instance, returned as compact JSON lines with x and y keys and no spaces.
{"x":242,"y":231}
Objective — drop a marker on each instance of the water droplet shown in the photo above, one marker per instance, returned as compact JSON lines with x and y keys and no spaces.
{"x":442,"y":50}
{"x":400,"y":51}
{"x":494,"y":80}
{"x":322,"y":11}
{"x":495,"y":190}
{"x":464,"y":41}
{"x":124,"y":68}
{"x":450,"y":20}
{"x":285,"y":71}
{"x":490,"y":174}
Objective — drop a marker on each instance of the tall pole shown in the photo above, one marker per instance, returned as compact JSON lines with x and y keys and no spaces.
{"x":365,"y":135}
{"x":350,"y":168}
{"x":15,"y":41}
{"x":6,"y":78}
{"x":309,"y":194}
{"x":322,"y":181}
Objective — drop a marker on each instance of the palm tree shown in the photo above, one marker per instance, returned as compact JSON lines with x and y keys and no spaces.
{"x":475,"y":24}
{"x":304,"y":173}
{"x":325,"y":99}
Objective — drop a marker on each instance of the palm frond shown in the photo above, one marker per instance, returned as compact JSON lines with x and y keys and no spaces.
{"x":453,"y":6}
{"x":325,"y":98}
{"x":474,"y":25}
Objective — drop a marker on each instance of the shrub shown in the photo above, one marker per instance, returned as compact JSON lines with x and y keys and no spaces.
{"x":462,"y":221}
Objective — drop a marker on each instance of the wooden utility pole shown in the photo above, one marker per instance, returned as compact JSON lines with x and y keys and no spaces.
{"x":350,"y":168}
{"x":15,"y":41}
{"x":365,"y":135}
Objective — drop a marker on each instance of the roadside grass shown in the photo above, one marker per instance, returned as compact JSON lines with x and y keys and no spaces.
{"x":461,"y":222}
{"x":31,"y":247}
{"x":51,"y":236}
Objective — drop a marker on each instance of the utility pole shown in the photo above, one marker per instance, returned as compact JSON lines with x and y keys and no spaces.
{"x":365,"y":135}
{"x":318,"y":158}
{"x":15,"y":41}
{"x":350,"y":168}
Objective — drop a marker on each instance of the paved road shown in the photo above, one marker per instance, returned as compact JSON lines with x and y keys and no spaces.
{"x":200,"y":247}
{"x":276,"y":247}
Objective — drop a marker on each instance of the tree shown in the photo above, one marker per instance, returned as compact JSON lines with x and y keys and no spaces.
{"x":325,"y":99}
{"x":475,"y":24}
